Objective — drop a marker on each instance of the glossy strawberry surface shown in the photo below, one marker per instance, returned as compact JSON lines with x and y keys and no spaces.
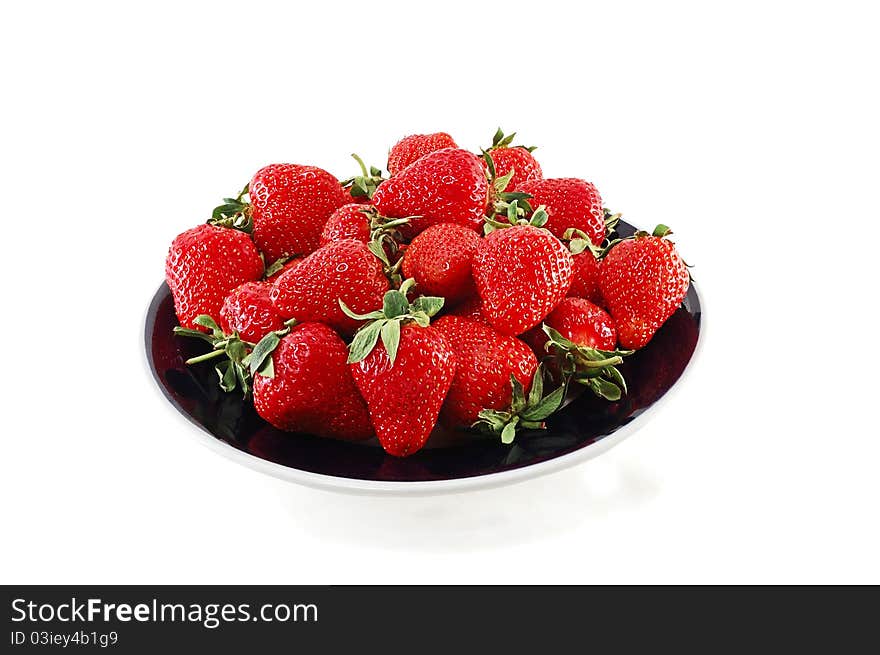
{"x":519,"y":160}
{"x":290,"y":204}
{"x":471,"y":308}
{"x":486,"y":360}
{"x":579,"y":321}
{"x":249,"y":311}
{"x":570,"y":203}
{"x":344,"y":270}
{"x":446,"y":186}
{"x":404,"y":399}
{"x":204,"y":265}
{"x":414,"y":147}
{"x":643,"y":281}
{"x":585,"y":277}
{"x":439,"y":259}
{"x":312,"y":390}
{"x":347,"y":222}
{"x":521,"y":274}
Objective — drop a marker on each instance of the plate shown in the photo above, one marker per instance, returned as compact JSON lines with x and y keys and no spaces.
{"x":586,"y":427}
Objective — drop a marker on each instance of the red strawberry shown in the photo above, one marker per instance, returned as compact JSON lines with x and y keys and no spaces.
{"x":519,"y":159}
{"x":583,"y":323}
{"x":308,"y":387}
{"x":363,"y":223}
{"x":643,"y":281}
{"x":344,"y":270}
{"x":289,"y":205}
{"x":416,"y":146}
{"x":446,"y":186}
{"x":405,"y":379}
{"x":471,"y":308}
{"x":347,"y":222}
{"x":440,"y":261}
{"x":585,"y":277}
{"x":579,"y":321}
{"x":249,"y":311}
{"x":521,"y":273}
{"x":203,"y":265}
{"x":404,"y":399}
{"x":570,"y":203}
{"x":486,"y":360}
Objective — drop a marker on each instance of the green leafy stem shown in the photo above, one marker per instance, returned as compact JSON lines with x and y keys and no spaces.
{"x":385,"y":323}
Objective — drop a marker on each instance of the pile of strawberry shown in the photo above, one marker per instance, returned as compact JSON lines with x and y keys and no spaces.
{"x":464,"y":289}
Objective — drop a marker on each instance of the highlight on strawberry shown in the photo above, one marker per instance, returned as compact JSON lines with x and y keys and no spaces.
{"x":461,"y":293}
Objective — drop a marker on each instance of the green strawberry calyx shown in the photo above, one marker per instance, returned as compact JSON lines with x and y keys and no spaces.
{"x":385,"y":323}
{"x":500,"y":200}
{"x":578,"y":241}
{"x":515,"y":216}
{"x":591,"y":367}
{"x":525,"y":412}
{"x":365,"y":184}
{"x":385,"y":240}
{"x":275,"y":267}
{"x":501,"y":140}
{"x":234,"y":213}
{"x":660,"y":231}
{"x":611,"y":221}
{"x":240,"y":359}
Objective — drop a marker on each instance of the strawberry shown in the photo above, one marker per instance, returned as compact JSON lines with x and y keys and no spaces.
{"x":303,"y":384}
{"x":582,"y":322}
{"x":471,"y":308}
{"x":594,"y":368}
{"x":347,"y":222}
{"x":345,"y":270}
{"x":445,"y":186}
{"x":486,"y":361}
{"x":521,"y":273}
{"x":363,"y":223}
{"x":440,"y":261}
{"x":405,"y":380}
{"x":204,"y":264}
{"x":579,"y":321}
{"x":381,"y":234}
{"x":585,"y":277}
{"x":414,"y":147}
{"x":289,"y":205}
{"x":643,"y":281}
{"x":518,"y":160}
{"x":249,"y":311}
{"x":569,"y":203}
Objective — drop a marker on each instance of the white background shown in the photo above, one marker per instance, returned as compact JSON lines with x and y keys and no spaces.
{"x":751,"y":130}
